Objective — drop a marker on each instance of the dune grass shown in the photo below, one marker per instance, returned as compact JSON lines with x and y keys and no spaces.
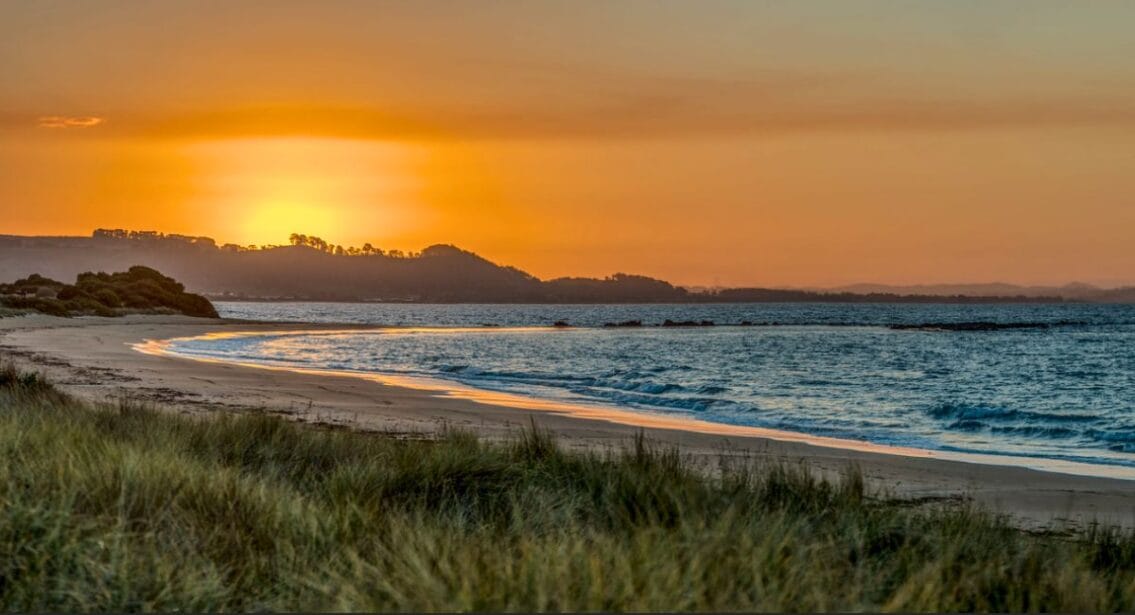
{"x":127,"y":508}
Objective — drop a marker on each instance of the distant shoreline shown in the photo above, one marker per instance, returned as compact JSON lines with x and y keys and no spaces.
{"x":913,"y":300}
{"x":310,"y":269}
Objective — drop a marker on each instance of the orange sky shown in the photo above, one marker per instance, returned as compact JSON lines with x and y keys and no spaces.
{"x":733,"y":143}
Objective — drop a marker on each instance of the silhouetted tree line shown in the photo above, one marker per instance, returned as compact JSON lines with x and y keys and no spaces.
{"x":618,"y":288}
{"x":312,"y":268}
{"x":152,"y":236}
{"x":295,"y":239}
{"x":317,"y":243}
{"x":158,"y":238}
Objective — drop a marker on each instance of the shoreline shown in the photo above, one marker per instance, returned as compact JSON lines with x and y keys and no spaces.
{"x":613,"y":414}
{"x":95,"y":359}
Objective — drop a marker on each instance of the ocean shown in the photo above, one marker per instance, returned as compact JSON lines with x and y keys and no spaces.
{"x":1046,"y":381}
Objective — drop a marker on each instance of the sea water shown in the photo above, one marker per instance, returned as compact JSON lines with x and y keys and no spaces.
{"x":1062,"y":387}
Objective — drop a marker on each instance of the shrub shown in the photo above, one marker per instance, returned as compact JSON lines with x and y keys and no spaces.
{"x":13,"y":378}
{"x":139,"y":288}
{"x":87,"y":305}
{"x":108,"y":297}
{"x":196,"y":305}
{"x":68,"y":293}
{"x":51,"y":307}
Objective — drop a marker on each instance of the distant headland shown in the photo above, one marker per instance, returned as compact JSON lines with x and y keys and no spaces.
{"x":310,"y":268}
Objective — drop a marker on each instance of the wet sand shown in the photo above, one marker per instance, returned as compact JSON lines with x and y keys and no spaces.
{"x":97,"y":359}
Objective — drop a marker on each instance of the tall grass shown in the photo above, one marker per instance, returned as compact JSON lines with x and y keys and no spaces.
{"x":128,"y":508}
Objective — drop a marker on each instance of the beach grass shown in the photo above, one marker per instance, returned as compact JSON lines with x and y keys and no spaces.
{"x":127,"y":508}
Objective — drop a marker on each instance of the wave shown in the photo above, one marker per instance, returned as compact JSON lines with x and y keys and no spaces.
{"x":1037,"y":431}
{"x":624,"y":387}
{"x":1011,"y":423}
{"x":962,"y":412}
{"x":1120,"y":441}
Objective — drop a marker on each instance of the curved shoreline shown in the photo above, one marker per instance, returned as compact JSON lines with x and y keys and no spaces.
{"x":94,"y":359}
{"x":615,"y":414}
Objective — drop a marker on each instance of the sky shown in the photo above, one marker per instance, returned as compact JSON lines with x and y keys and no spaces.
{"x":706,"y":143}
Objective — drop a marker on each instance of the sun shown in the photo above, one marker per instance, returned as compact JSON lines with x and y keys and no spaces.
{"x":273,"y":221}
{"x":259,"y":191}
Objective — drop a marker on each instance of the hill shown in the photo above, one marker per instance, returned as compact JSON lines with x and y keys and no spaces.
{"x":312,"y":269}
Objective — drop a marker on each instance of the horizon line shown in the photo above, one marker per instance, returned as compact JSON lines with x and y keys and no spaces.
{"x":848,"y":287}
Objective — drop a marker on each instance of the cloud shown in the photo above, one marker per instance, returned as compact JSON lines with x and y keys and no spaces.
{"x":578,"y":104}
{"x":69,"y":121}
{"x":631,"y":117}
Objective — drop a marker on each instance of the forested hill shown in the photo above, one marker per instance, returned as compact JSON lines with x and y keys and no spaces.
{"x":302,"y":271}
{"x":312,"y":269}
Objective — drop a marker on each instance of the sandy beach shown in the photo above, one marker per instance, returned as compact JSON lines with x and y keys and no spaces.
{"x":97,"y":359}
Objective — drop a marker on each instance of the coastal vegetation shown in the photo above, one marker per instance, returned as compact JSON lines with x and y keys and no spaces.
{"x":138,"y":290}
{"x":125,"y":507}
{"x":311,"y":268}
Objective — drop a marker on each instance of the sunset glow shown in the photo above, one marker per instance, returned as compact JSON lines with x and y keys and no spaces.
{"x":737,"y":146}
{"x":264,"y":189}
